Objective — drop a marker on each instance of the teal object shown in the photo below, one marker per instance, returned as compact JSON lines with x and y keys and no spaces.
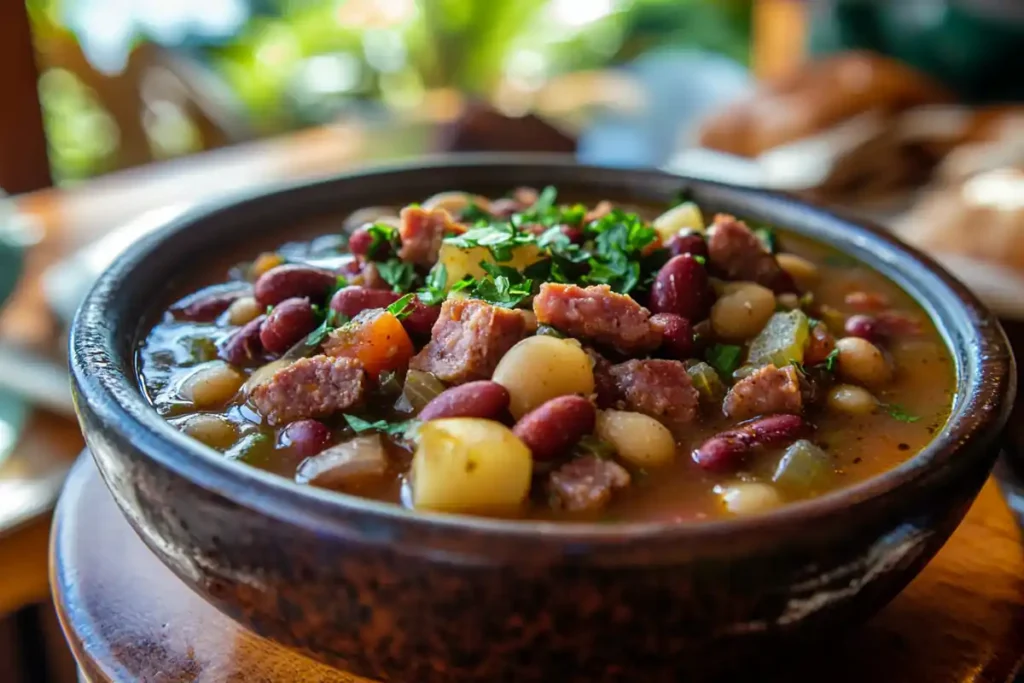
{"x":970,"y":46}
{"x":14,"y":238}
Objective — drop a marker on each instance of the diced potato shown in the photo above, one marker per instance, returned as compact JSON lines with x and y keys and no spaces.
{"x":782,"y":340}
{"x":264,"y":373}
{"x":469,"y":465}
{"x":459,"y":262}
{"x":376,"y":339}
{"x":706,"y":381}
{"x":804,"y":468}
{"x":639,"y":440}
{"x":211,"y":385}
{"x":538,"y":369}
{"x":750,"y":498}
{"x":686,"y":216}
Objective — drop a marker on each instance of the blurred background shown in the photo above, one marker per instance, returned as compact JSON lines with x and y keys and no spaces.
{"x":116,"y":115}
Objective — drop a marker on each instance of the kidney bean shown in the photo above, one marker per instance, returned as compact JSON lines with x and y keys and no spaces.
{"x":359,"y":242}
{"x":554,"y":427}
{"x":819,"y":345}
{"x":726,"y":449}
{"x":504,"y":208}
{"x":676,"y":335}
{"x":574,"y":234}
{"x":352,"y":300}
{"x":291,"y":281}
{"x":306,"y":437}
{"x":894,"y":324}
{"x":682,"y":287}
{"x":244,"y":346}
{"x":688,"y":242}
{"x":207,"y":304}
{"x":290,"y":321}
{"x":483,"y":399}
{"x":422,"y":318}
{"x":863,"y":326}
{"x":866,"y":301}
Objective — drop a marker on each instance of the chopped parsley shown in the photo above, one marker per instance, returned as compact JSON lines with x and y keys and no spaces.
{"x":831,"y":359}
{"x":504,"y":286}
{"x":403,"y":307}
{"x":332,"y":320}
{"x":499,"y":238}
{"x":401,"y":276}
{"x":360,"y":426}
{"x":724,"y":358}
{"x":473,"y":214}
{"x":433,"y":291}
{"x":767,"y":237}
{"x":898,"y":413}
{"x":595,"y":446}
{"x":383,"y":235}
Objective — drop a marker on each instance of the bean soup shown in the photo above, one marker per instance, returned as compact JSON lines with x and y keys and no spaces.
{"x":525,"y":357}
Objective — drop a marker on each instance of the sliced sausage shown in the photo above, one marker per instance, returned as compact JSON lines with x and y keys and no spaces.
{"x":767,"y":390}
{"x":597,"y":314}
{"x":468,"y":340}
{"x":737,"y":254}
{"x":661,"y":389}
{"x":587,"y":483}
{"x":309,"y":388}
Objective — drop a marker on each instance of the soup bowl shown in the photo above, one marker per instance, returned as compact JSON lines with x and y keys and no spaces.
{"x":393,"y":594}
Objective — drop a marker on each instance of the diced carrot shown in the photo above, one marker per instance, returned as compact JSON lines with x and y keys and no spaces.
{"x":376,"y":339}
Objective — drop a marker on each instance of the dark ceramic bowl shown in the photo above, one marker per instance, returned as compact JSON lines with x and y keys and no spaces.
{"x":397,"y":595}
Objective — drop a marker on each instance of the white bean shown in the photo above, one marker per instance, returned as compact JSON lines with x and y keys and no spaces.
{"x":803,"y":272}
{"x":742,"y":310}
{"x":749,"y":498}
{"x":243,"y":310}
{"x":639,"y":439}
{"x":860,"y":361}
{"x":851,"y":399}
{"x":211,"y":385}
{"x":538,"y":369}
{"x":216,"y":431}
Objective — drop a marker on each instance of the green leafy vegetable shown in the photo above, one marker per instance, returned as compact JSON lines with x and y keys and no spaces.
{"x":473,"y":214}
{"x":767,"y":237}
{"x":699,"y":259}
{"x":403,"y":307}
{"x":433,"y":291}
{"x":831,"y":359}
{"x":383,"y":234}
{"x":499,"y":238}
{"x":898,"y":413}
{"x":332,"y":320}
{"x":360,"y":425}
{"x":724,"y":358}
{"x":401,"y":276}
{"x":595,"y":446}
{"x":504,"y":286}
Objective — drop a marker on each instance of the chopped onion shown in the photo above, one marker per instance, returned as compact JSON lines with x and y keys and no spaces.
{"x":358,"y":459}
{"x":419,"y":390}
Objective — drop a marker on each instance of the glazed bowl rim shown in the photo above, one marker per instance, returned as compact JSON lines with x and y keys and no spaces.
{"x":985,"y":387}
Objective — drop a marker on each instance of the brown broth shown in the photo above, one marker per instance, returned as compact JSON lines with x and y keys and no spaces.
{"x":862,"y":446}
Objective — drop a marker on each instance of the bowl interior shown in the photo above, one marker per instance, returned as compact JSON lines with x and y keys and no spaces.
{"x":120,"y":307}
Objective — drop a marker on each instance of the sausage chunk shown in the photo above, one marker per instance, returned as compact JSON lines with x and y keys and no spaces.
{"x":422,"y":231}
{"x":587,"y":483}
{"x":738,"y":254}
{"x":468,"y":340}
{"x":310,"y":388}
{"x":604,"y":381}
{"x":768,"y":390}
{"x":597,"y":314}
{"x":659,"y":388}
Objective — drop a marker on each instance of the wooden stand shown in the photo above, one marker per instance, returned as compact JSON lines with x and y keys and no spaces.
{"x":128,"y":619}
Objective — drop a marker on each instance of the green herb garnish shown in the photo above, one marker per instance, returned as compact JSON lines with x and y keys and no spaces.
{"x":724,"y":358}
{"x":361,"y":426}
{"x":767,"y":237}
{"x":831,"y":359}
{"x":401,"y":276}
{"x":332,"y":320}
{"x":383,"y":234}
{"x":433,"y":292}
{"x":898,"y":413}
{"x":403,"y":307}
{"x":595,"y":446}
